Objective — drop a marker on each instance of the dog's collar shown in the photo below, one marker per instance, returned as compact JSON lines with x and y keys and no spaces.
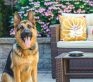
{"x":32,"y":48}
{"x":17,"y":49}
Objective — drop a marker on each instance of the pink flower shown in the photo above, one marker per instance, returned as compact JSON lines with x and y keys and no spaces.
{"x":36,"y":3}
{"x":87,"y":1}
{"x":12,"y":32}
{"x":49,"y":13}
{"x":71,"y":7}
{"x":60,"y":11}
{"x":83,"y":11}
{"x":47,"y":30}
{"x":67,"y":10}
{"x":79,"y":11}
{"x":41,"y":10}
{"x":48,"y":3}
{"x":37,"y":17}
{"x":46,"y":14}
{"x":91,"y":4}
{"x":59,"y":5}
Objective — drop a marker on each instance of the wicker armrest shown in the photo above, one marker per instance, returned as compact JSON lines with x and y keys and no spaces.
{"x":54,"y":51}
{"x":55,"y":32}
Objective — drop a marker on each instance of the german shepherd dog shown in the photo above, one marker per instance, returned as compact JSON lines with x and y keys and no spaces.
{"x":22,"y":61}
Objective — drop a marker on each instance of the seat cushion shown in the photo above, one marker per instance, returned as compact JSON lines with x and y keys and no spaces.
{"x":75,"y":44}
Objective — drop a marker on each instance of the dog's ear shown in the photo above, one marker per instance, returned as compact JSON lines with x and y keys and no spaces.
{"x":31,"y":17}
{"x":17,"y":19}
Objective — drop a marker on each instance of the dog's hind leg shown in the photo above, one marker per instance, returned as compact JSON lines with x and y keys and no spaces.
{"x":6,"y":78}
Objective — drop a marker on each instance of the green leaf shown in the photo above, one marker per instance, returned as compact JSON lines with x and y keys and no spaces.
{"x":38,"y":26}
{"x":24,"y":2}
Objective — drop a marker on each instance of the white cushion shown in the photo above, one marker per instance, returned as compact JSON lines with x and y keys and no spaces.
{"x":89,"y":17}
{"x":75,"y":44}
{"x":90,"y":33}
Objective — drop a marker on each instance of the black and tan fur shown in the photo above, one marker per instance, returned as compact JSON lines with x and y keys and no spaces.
{"x":23,"y":61}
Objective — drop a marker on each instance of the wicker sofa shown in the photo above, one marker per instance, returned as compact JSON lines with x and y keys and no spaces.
{"x":56,"y":49}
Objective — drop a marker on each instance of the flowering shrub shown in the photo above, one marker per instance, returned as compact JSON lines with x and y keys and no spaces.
{"x":46,"y":13}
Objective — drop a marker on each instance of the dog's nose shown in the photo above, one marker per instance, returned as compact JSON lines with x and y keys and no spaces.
{"x":27,"y":31}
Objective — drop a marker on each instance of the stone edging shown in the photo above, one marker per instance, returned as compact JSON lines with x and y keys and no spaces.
{"x":12,"y":40}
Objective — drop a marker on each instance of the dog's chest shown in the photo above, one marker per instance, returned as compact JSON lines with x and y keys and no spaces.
{"x":26,"y":68}
{"x":23,"y":61}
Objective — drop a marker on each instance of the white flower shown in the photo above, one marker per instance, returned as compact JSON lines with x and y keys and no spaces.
{"x":76,"y":31}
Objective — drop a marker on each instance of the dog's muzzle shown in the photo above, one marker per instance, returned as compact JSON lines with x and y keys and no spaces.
{"x":25,"y":34}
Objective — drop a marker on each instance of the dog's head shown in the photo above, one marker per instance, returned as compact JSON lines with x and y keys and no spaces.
{"x":25,"y":30}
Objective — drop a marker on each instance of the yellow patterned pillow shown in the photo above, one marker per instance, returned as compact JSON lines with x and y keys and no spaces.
{"x":72,"y":28}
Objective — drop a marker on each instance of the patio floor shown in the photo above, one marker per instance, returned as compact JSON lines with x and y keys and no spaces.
{"x":46,"y":77}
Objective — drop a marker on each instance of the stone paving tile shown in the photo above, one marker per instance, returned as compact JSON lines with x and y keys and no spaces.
{"x":81,"y":80}
{"x":46,"y":77}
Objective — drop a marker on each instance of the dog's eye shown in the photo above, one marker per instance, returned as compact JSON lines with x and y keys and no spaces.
{"x":21,"y":27}
{"x":29,"y":26}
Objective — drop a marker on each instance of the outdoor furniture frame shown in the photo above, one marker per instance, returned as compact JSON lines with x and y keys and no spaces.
{"x":55,"y":34}
{"x":63,"y":73}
